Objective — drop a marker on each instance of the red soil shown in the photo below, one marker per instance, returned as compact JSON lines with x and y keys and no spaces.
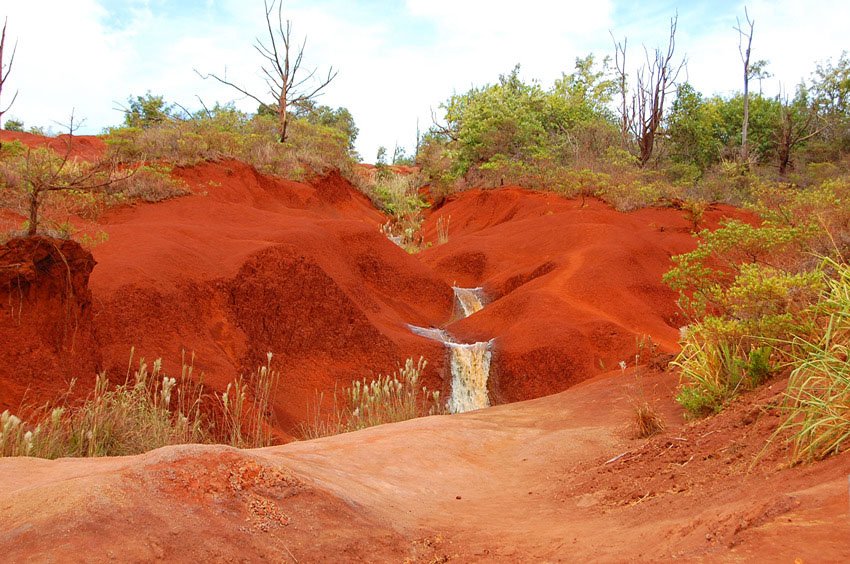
{"x":86,"y":147}
{"x":555,"y":479}
{"x":573,"y":288}
{"x":250,"y":264}
{"x":46,"y":327}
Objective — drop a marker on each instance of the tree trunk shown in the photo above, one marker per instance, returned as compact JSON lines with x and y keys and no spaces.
{"x":785,"y":141}
{"x":745,"y":147}
{"x":282,"y":117}
{"x":745,"y":58}
{"x":32,"y":229}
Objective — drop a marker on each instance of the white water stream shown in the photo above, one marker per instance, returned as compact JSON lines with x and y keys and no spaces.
{"x":470,"y":300}
{"x":470,"y":362}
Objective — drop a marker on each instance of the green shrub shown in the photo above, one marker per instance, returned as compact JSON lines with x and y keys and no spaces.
{"x":14,"y":125}
{"x":703,"y":277}
{"x":311,"y":148}
{"x":818,"y":394}
{"x":746,"y":289}
{"x":716,"y":366}
{"x":398,"y":196}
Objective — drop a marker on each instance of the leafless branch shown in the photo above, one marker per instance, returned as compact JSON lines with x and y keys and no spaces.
{"x":745,"y":58}
{"x":6,"y":69}
{"x":655,"y":81}
{"x":41,"y":175}
{"x":281,"y":71}
{"x":440,"y":128}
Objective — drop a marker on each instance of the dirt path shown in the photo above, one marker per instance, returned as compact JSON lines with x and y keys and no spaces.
{"x":516,"y":483}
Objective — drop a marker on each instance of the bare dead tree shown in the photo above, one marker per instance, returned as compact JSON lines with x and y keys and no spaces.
{"x":282,"y":70}
{"x":655,"y":81}
{"x":745,"y":36}
{"x":5,"y":69}
{"x":44,"y":170}
{"x":797,"y":124}
{"x":622,"y":84}
{"x":445,"y":130}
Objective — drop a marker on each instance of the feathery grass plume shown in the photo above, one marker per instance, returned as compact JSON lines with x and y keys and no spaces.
{"x":386,"y":399}
{"x":246,"y":424}
{"x":149,"y":410}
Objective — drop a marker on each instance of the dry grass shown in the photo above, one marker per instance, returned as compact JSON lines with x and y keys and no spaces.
{"x":646,"y":421}
{"x":310,"y":150}
{"x":818,"y":393}
{"x":387,"y":399}
{"x":149,"y":410}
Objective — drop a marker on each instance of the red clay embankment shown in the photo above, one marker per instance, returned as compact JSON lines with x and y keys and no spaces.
{"x":574,"y":288}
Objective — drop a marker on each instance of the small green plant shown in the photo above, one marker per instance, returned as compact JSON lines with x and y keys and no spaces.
{"x":398,"y":196}
{"x":714,"y":369}
{"x":694,"y":213}
{"x":818,"y":394}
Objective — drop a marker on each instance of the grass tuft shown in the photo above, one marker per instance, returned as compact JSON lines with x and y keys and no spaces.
{"x":387,"y":399}
{"x":149,"y":410}
{"x":818,"y":391}
{"x":647,"y":422}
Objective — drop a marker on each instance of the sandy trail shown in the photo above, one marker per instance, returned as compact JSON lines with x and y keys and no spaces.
{"x":391,"y":492}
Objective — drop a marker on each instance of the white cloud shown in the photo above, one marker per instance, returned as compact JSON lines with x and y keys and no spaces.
{"x":65,"y":56}
{"x":395,"y":60}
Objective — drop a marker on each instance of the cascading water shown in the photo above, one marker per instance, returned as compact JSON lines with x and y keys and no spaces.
{"x":470,"y":300}
{"x":470,"y":370}
{"x":470,"y":362}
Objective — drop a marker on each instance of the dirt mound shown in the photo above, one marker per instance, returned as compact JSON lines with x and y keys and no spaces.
{"x":221,"y":504}
{"x":85,"y":147}
{"x":574,"y":289}
{"x":553,"y":479}
{"x":251,"y":264}
{"x":46,"y":325}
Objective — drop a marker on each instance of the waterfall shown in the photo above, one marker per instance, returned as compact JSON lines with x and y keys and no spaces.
{"x":470,"y":300}
{"x":470,"y":370}
{"x":470,"y":362}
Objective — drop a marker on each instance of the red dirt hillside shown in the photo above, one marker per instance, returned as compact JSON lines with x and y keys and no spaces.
{"x":572,"y":288}
{"x":247,"y":265}
{"x":86,"y":147}
{"x":250,"y":264}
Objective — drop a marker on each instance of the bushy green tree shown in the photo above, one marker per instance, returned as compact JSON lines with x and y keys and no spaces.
{"x":519,"y":123}
{"x":693,"y":127}
{"x":830,"y":90}
{"x":146,"y":111}
{"x":339,"y":118}
{"x":14,"y":125}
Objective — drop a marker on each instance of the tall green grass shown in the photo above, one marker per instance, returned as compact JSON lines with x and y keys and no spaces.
{"x":818,"y":394}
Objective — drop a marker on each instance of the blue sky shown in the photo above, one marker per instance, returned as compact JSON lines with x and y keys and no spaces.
{"x":396,"y":59}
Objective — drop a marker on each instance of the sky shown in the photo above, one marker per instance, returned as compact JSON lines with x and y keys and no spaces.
{"x":397,"y":59}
